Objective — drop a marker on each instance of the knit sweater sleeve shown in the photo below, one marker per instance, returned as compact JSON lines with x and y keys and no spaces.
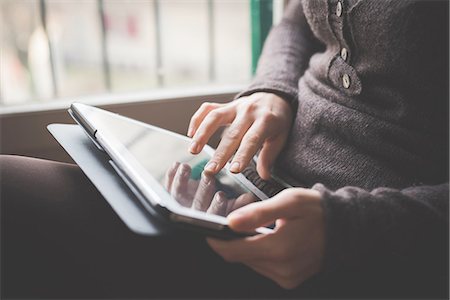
{"x":285,"y":56}
{"x":386,"y":226}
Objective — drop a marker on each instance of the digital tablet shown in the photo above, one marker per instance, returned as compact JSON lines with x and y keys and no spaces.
{"x":157,"y":166}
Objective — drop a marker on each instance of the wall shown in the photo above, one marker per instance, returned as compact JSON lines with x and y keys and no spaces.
{"x":26,"y":134}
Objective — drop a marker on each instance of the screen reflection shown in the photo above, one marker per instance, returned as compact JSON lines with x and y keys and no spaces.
{"x":205,"y":194}
{"x":165,"y":156}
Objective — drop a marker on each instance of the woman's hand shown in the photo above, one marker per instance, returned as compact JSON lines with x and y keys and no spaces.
{"x":290,"y":255}
{"x":259,"y":121}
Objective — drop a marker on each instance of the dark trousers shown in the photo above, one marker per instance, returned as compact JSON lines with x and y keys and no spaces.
{"x":60,"y":239}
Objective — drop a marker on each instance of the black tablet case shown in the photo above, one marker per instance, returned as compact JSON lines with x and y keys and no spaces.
{"x":95,"y":164}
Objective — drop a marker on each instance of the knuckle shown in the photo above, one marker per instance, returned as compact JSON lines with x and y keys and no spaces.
{"x":253,"y":139}
{"x":248,"y":107}
{"x":215,"y":114}
{"x":200,"y":137}
{"x":206,"y":105}
{"x":233,"y":133}
{"x":219,"y":157}
{"x":209,"y":124}
{"x":268,"y":117}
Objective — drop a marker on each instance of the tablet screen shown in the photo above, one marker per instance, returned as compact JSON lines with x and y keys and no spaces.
{"x":165,"y":156}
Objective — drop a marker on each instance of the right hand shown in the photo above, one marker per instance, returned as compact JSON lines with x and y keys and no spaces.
{"x":259,"y":121}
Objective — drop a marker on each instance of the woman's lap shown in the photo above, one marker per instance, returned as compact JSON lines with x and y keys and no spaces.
{"x":60,"y":239}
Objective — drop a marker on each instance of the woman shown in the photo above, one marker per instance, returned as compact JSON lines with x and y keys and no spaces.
{"x":350,"y":102}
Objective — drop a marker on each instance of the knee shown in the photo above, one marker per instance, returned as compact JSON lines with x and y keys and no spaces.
{"x":6,"y":159}
{"x":11,"y":168}
{"x":20,"y":175}
{"x":11,"y":187}
{"x":8,"y":166}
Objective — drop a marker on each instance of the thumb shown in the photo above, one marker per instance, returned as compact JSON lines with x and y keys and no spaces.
{"x":262,"y":213}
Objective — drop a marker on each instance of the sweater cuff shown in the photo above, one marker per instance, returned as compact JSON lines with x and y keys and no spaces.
{"x":340,"y":235}
{"x":286,"y":92}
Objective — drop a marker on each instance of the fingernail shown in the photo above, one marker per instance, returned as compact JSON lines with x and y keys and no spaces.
{"x":193,"y":147}
{"x":234,"y":167}
{"x":206,"y":178}
{"x":190,"y":131}
{"x":211,"y":166}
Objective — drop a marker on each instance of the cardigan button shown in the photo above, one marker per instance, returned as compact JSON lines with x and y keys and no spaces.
{"x":339,"y":9}
{"x":344,"y":53}
{"x":346,"y":81}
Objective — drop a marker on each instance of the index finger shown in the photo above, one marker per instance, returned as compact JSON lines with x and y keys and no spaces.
{"x":209,"y":125}
{"x":199,"y":115}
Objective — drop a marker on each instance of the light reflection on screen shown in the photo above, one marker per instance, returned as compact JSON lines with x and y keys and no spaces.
{"x":166,"y":157}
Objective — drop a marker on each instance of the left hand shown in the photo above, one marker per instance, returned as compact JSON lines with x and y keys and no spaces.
{"x":294,"y":251}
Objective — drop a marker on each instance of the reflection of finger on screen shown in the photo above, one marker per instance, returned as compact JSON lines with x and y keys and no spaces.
{"x":180,"y":185}
{"x":204,"y":194}
{"x":241,"y":201}
{"x":218,"y":205}
{"x":170,"y":174}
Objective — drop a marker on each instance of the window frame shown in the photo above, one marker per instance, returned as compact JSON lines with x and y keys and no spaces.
{"x":23,"y":130}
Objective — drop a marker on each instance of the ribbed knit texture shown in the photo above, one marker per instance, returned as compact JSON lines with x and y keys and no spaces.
{"x":382,"y":143}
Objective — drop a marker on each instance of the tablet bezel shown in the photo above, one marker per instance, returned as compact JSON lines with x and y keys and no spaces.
{"x":151,"y":190}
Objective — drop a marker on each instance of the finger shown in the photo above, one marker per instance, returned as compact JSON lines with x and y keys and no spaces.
{"x":239,"y":250}
{"x":215,"y":119}
{"x":218,"y":204}
{"x":205,"y":192}
{"x":251,"y":143}
{"x":241,"y":201}
{"x":180,"y":185}
{"x":256,"y":247}
{"x":170,"y":174}
{"x":230,"y":142}
{"x":267,"y":156}
{"x":283,"y":205}
{"x":199,"y":115}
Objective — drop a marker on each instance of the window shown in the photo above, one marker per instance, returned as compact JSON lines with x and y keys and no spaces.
{"x":54,"y":49}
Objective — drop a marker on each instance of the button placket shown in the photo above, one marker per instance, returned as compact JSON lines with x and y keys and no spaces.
{"x":341,"y":73}
{"x":344,"y":77}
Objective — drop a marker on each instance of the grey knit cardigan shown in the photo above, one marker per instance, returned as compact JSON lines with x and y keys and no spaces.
{"x":369,"y":82}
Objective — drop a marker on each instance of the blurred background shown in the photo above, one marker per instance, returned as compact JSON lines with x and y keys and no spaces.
{"x":56,"y":49}
{"x":152,"y":60}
